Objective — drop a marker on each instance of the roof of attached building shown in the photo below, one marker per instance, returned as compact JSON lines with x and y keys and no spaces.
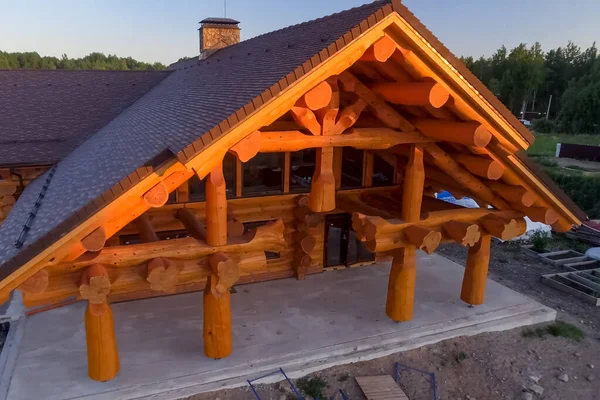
{"x":47,"y":113}
{"x":190,"y":108}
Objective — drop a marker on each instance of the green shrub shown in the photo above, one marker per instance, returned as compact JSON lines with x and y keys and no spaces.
{"x":313,"y":387}
{"x":539,"y":239}
{"x":543,"y":126}
{"x":584,"y":190}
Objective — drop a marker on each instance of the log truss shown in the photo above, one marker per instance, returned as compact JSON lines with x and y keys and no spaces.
{"x":386,"y":100}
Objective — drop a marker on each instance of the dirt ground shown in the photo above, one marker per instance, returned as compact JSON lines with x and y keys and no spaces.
{"x":501,"y":365}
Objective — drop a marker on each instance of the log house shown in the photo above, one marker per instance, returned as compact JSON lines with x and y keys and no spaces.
{"x":331,"y":163}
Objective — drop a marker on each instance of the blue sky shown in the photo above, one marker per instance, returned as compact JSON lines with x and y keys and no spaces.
{"x":151,"y":30}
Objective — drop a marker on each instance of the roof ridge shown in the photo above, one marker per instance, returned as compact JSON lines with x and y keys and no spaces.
{"x":83,"y":70}
{"x":300,"y":24}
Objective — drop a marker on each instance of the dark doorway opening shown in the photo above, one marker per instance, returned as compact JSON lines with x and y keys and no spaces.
{"x":342,"y":247}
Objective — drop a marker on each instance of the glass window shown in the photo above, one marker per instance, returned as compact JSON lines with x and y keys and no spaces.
{"x":352,"y":167}
{"x":197,"y":186}
{"x":302,"y":166}
{"x":248,"y":226}
{"x":263,"y":174}
{"x":383,"y":172}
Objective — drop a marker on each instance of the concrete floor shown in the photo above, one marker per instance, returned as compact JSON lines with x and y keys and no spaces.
{"x":328,"y":319}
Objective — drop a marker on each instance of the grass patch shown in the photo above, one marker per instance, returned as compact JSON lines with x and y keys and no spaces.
{"x":313,"y":387}
{"x":344,"y":377}
{"x":545,"y":144}
{"x":559,"y":329}
{"x":462,"y":356}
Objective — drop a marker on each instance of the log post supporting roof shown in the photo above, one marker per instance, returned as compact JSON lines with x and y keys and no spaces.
{"x":386,"y":86}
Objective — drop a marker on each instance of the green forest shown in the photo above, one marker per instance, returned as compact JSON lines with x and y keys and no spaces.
{"x":32,"y":60}
{"x":526,"y":78}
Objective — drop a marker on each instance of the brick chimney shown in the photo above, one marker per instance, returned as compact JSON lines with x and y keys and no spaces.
{"x":216,"y":33}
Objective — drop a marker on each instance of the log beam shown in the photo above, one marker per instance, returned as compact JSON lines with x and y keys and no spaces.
{"x":359,"y":138}
{"x":328,"y":114}
{"x":422,"y":238}
{"x":481,"y":166}
{"x":37,"y":283}
{"x":464,"y":233}
{"x":380,"y":51}
{"x":317,"y":97}
{"x":227,"y":272}
{"x":504,"y":229}
{"x":463,"y":177}
{"x":413,"y":93}
{"x":322,"y":188}
{"x":216,"y":208}
{"x":474,"y":280}
{"x":306,"y":118}
{"x":247,"y":148}
{"x":162,"y":274}
{"x":348,"y":117}
{"x":157,"y":196}
{"x":512,"y":193}
{"x":102,"y":353}
{"x":145,"y":229}
{"x":467,"y":133}
{"x":401,"y":285}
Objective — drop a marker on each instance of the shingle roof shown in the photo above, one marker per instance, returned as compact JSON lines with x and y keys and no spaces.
{"x":44,"y":114}
{"x":176,"y":112}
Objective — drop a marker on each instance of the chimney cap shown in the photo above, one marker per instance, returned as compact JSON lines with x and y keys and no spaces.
{"x":220,"y":21}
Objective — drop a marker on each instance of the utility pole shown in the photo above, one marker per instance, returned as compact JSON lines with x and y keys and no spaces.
{"x":548,"y":110}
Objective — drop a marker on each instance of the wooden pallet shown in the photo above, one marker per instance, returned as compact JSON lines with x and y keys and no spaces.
{"x":380,"y":387}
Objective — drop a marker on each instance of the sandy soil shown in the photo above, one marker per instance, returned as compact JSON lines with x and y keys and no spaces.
{"x":501,"y":365}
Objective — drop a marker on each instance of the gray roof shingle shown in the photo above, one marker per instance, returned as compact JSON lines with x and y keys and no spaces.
{"x":47,"y":113}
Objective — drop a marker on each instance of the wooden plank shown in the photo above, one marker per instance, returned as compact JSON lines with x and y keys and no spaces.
{"x":380,"y":387}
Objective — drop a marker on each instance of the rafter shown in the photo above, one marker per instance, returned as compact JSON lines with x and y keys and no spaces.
{"x":413,"y":94}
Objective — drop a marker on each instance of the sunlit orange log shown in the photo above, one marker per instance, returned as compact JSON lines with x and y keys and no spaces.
{"x":401,"y":285}
{"x":481,"y":166}
{"x":217,"y":321}
{"x":562,"y":225}
{"x":467,"y":133}
{"x":463,"y":177}
{"x":307,"y":119}
{"x":540,"y":214}
{"x":102,"y":352}
{"x":316,"y":98}
{"x":95,"y":284}
{"x":464,"y":233}
{"x":95,"y":241}
{"x":512,"y":193}
{"x":413,"y":93}
{"x":348,"y":116}
{"x":157,"y":196}
{"x":414,"y":179}
{"x":322,"y":188}
{"x":359,"y":138}
{"x":248,"y":147}
{"x":382,"y":111}
{"x":474,"y":280}
{"x":375,"y":227}
{"x":216,"y":208}
{"x":504,"y":229}
{"x":268,"y":237}
{"x":380,"y":51}
{"x":328,"y":114}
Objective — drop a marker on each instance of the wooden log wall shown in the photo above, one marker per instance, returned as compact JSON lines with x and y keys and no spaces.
{"x":12,"y":183}
{"x":129,"y":282}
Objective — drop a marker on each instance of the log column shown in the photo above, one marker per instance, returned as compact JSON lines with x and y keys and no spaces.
{"x":403,"y":275}
{"x":102,"y":353}
{"x":475,"y":278}
{"x":217,"y":305}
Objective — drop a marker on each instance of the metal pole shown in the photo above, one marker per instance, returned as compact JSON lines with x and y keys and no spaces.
{"x":548,"y":110}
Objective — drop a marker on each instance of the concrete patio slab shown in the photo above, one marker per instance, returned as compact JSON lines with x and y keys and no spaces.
{"x":328,"y":319}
